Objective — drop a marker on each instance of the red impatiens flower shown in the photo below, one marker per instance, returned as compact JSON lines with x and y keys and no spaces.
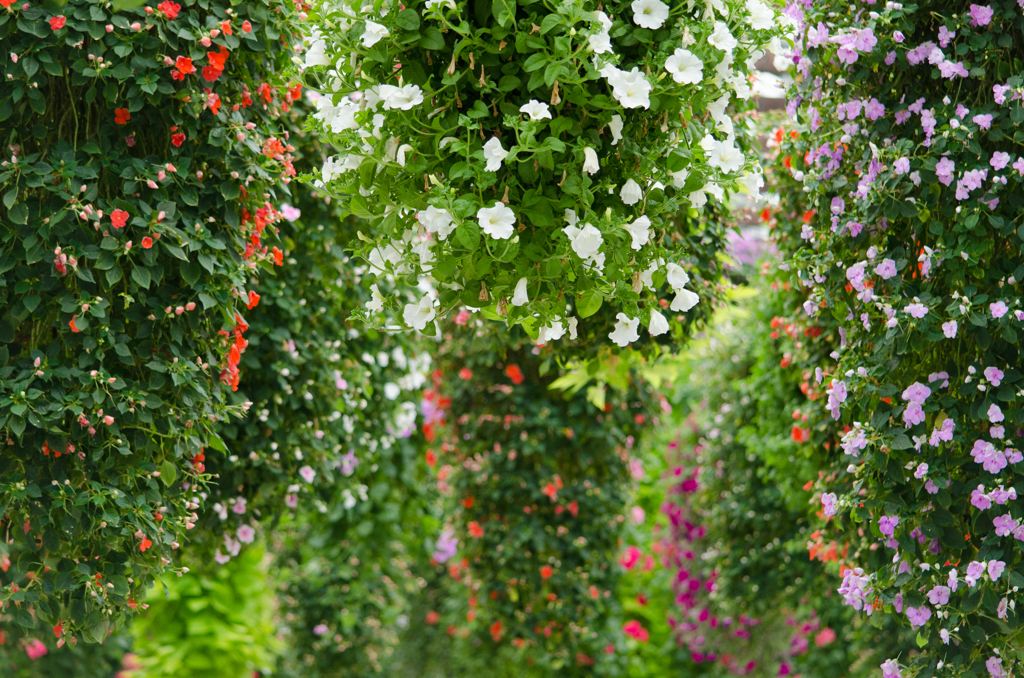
{"x":178,"y":139}
{"x":273,"y":148}
{"x":169,"y":9}
{"x":431,"y":458}
{"x":466,"y":374}
{"x":546,"y":572}
{"x":6,"y":5}
{"x":800,"y":435}
{"x":254,"y":300}
{"x":265,"y":91}
{"x":182,"y":67}
{"x":122,"y":116}
{"x":57,"y":22}
{"x":145,"y":544}
{"x":118,"y":218}
{"x":515,"y":374}
{"x":72,"y":325}
{"x":147,"y":242}
{"x":225,"y":27}
{"x":246,"y":26}
{"x":278,"y":257}
{"x":212,"y":101}
{"x":496,"y":630}
{"x":475,"y":530}
{"x":433,"y":617}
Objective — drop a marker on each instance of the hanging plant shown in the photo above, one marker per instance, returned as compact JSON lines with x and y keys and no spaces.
{"x":533,"y":159}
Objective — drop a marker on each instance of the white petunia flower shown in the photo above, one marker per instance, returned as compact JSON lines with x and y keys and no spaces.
{"x":316,"y":56}
{"x":658,"y":325}
{"x":762,"y":18}
{"x":676,"y":277}
{"x":698,"y":199}
{"x":632,"y":89}
{"x":418,"y":315}
{"x":602,"y":18}
{"x":649,"y":13}
{"x":400,"y":98}
{"x":601,"y":43}
{"x":615,"y":125}
{"x":625,"y":332}
{"x":552,"y":332}
{"x":684,"y":301}
{"x":647,"y":277}
{"x":679,"y":178}
{"x":753,"y":183}
{"x":722,"y":39}
{"x":641,"y":232}
{"x":631,"y":193}
{"x":519,"y":296}
{"x":402,"y":151}
{"x":376,"y":302}
{"x":436,"y":221}
{"x":494,"y":154}
{"x":536,"y":110}
{"x":585,"y":242}
{"x":590,"y":163}
{"x":726,"y":157}
{"x":573,"y":323}
{"x":684,"y":67}
{"x":373,"y":34}
{"x":715,"y":190}
{"x":570,"y":217}
{"x":498,"y":221}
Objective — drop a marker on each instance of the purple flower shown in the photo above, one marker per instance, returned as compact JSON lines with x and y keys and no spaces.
{"x":999,"y":160}
{"x":446,"y":546}
{"x":918,"y":616}
{"x":890,"y":58}
{"x":979,"y":499}
{"x":853,"y":442}
{"x":998,"y":309}
{"x":983,"y":121}
{"x":874,"y":109}
{"x":986,"y":454}
{"x":995,"y":414}
{"x":944,"y":171}
{"x":898,"y":36}
{"x":901,"y":166}
{"x":890,"y":669}
{"x":994,"y":375}
{"x":995,"y":568}
{"x":974,"y":572}
{"x":939,"y":595}
{"x":981,"y":15}
{"x":828,"y":504}
{"x":320,"y":629}
{"x":838,"y":206}
{"x":1005,"y":525}
{"x":887,"y":525}
{"x":886,"y":269}
{"x":945,"y":35}
{"x":855,"y":588}
{"x":995,"y":668}
{"x":913,"y":415}
{"x":921,"y":471}
{"x":917,"y":393}
{"x":930,"y":487}
{"x":949,"y":329}
{"x":916,"y":310}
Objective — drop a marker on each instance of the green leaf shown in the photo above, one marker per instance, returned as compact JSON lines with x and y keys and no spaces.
{"x":504,"y":12}
{"x":431,"y":38}
{"x":141,"y":276}
{"x":168,"y":472}
{"x":589,"y":304}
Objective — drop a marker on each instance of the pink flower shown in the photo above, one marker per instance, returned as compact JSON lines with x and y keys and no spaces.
{"x":998,"y":309}
{"x":886,"y":269}
{"x":917,"y":393}
{"x":999,"y":160}
{"x":245,"y":534}
{"x":918,"y":616}
{"x":944,"y":171}
{"x":981,"y":15}
{"x":290,"y":213}
{"x":320,"y":630}
{"x":939,"y":595}
{"x":994,"y":375}
{"x":307,"y":474}
{"x":949,"y":329}
{"x":995,"y":568}
{"x":983,"y":121}
{"x":634,"y":629}
{"x":979,"y":499}
{"x":35,"y":649}
{"x":995,"y":668}
{"x":630,"y":558}
{"x":887,"y":525}
{"x":916,"y":310}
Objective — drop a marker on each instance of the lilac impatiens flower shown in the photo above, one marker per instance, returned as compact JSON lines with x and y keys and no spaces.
{"x":939,"y":595}
{"x":994,"y":375}
{"x":855,"y":589}
{"x":828,"y":504}
{"x":886,"y":269}
{"x":918,"y":616}
{"x":916,"y":310}
{"x":984,"y":121}
{"x":890,"y":669}
{"x":981,"y":15}
{"x":917,"y":393}
{"x":887,"y":525}
{"x":949,"y":329}
{"x":974,"y":572}
{"x":944,"y":171}
{"x":998,"y":309}
{"x":446,"y":546}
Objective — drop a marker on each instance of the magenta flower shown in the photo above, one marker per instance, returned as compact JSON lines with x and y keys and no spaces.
{"x":944,"y":171}
{"x":1005,"y":525}
{"x":320,"y":630}
{"x":986,"y":454}
{"x":981,"y":15}
{"x":974,"y":572}
{"x":917,"y":393}
{"x":307,"y":473}
{"x":979,"y":499}
{"x":913,"y":415}
{"x":995,"y":568}
{"x":245,"y":534}
{"x":290,"y":213}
